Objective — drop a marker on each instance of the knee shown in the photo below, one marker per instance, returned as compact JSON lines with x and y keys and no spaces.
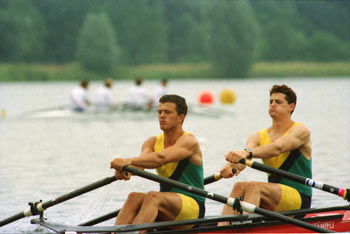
{"x":240,"y":186}
{"x":135,"y":197}
{"x":152,"y":197}
{"x":253,"y":186}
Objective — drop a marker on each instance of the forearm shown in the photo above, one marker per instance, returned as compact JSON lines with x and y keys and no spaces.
{"x":267,"y":151}
{"x":148,"y":160}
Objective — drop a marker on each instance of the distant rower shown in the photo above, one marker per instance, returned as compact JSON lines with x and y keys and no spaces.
{"x":78,"y":97}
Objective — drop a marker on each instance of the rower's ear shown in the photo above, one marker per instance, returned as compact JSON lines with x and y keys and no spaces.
{"x":181,"y":118}
{"x":292,"y":107}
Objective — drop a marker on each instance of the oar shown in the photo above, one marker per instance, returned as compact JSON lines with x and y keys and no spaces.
{"x":39,"y":207}
{"x":344,"y":193}
{"x":229,"y":201}
{"x":207,"y":180}
{"x":215,"y":177}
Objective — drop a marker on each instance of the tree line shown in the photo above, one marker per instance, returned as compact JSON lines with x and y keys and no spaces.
{"x":231,"y":34}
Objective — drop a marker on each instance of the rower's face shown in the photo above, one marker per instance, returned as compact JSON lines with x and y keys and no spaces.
{"x":279,"y":105}
{"x":167,"y":115}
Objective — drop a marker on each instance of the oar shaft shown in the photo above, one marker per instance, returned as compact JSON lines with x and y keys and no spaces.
{"x":12,"y":219}
{"x":79,"y":191}
{"x":297,"y":178}
{"x":229,"y":201}
{"x":39,"y":207}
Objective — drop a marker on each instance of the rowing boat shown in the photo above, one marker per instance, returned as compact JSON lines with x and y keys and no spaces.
{"x":118,"y":110}
{"x":322,"y":220}
{"x":336,"y":219}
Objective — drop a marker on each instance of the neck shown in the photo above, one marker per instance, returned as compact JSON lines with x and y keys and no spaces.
{"x":282,"y":125}
{"x":171,"y":136}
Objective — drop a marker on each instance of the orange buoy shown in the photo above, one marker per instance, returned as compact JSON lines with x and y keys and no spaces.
{"x":206,"y":97}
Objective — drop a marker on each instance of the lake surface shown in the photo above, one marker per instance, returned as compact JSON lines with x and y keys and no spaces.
{"x":45,"y":158}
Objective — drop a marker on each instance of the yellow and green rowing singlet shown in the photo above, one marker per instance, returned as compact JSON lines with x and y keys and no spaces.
{"x":183,"y":171}
{"x":293,"y":162}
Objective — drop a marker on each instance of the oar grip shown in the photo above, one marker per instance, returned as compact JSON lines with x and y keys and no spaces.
{"x":244,"y":161}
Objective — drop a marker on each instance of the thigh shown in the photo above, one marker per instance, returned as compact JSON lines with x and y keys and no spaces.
{"x":170,"y":205}
{"x":290,"y":199}
{"x":270,"y":195}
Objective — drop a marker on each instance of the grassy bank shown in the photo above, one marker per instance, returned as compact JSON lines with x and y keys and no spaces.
{"x":30,"y":72}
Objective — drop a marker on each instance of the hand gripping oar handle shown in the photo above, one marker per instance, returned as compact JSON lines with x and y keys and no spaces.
{"x":39,"y":207}
{"x":215,"y":177}
{"x":229,"y":201}
{"x":344,"y":193}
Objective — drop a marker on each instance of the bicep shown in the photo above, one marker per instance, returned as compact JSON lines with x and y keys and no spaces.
{"x":253,"y":141}
{"x":184,"y":147}
{"x":295,"y":139}
{"x":148,"y":145}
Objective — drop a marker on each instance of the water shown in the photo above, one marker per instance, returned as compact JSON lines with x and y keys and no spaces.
{"x":45,"y":158}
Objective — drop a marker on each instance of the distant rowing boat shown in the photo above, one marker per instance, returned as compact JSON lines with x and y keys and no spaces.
{"x":122,"y":109}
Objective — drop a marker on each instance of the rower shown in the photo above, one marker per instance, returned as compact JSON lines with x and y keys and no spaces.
{"x":78,"y":97}
{"x":160,"y":91}
{"x":103,"y":96}
{"x":138,"y":97}
{"x":176,"y":155}
{"x":285,"y":145}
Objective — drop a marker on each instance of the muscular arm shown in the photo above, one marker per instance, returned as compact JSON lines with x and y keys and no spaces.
{"x":226,"y":171}
{"x":296,"y":138}
{"x":185,"y":146}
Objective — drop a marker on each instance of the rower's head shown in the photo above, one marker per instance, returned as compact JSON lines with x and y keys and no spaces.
{"x":287,"y":94}
{"x":108,"y":82}
{"x":164,"y":82}
{"x":138,"y":81}
{"x":84,"y":84}
{"x":173,"y":103}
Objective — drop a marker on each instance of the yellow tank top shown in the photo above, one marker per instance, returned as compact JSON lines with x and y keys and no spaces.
{"x":183,"y":171}
{"x":293,"y":161}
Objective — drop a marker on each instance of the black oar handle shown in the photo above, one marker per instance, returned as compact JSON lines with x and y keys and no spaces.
{"x":344,"y":193}
{"x":229,"y":201}
{"x":41,"y":206}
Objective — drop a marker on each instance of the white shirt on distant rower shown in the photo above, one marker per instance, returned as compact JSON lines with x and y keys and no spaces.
{"x":138,"y":97}
{"x":78,"y":98}
{"x":103,"y":98}
{"x":159,"y":92}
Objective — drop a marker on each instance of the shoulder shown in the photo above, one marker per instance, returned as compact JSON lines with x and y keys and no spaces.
{"x":300,"y":127}
{"x":188,"y":139}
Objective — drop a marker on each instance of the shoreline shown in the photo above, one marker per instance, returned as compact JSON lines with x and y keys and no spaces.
{"x":260,"y":70}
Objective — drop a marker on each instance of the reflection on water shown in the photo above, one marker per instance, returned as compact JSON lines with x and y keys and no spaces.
{"x":47,"y":157}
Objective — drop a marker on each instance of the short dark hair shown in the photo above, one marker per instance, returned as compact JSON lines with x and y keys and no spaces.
{"x":84,"y":83}
{"x":180,"y":102}
{"x":291,"y":97}
{"x":138,"y":81}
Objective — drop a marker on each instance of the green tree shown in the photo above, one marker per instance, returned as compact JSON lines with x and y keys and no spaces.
{"x":187,"y":32}
{"x":141,"y":30}
{"x":326,"y":47}
{"x":64,"y":19}
{"x":23,"y":32}
{"x":233,"y":37}
{"x":97,"y":48}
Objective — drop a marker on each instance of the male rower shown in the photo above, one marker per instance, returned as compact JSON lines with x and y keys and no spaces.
{"x":176,"y":155}
{"x":285,"y":145}
{"x":79,"y":98}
